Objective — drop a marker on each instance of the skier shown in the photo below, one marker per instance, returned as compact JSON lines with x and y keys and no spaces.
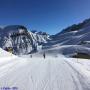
{"x":31,"y":56}
{"x":44,"y":55}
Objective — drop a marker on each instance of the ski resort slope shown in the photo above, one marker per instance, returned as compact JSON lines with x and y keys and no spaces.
{"x":57,"y":73}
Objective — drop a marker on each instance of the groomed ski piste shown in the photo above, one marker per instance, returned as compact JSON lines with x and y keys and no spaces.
{"x":51,"y":73}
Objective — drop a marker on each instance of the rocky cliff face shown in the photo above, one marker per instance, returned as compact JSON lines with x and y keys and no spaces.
{"x":20,"y":40}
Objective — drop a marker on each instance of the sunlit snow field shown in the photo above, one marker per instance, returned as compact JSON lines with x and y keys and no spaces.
{"x":51,"y":73}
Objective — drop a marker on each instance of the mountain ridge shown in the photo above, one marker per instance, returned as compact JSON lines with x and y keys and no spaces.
{"x":24,"y":41}
{"x":20,"y":39}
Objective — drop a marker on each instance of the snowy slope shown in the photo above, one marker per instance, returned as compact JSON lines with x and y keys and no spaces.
{"x":43,"y":74}
{"x":4,"y":54}
{"x":5,"y":58}
{"x":73,"y":37}
{"x":71,"y":40}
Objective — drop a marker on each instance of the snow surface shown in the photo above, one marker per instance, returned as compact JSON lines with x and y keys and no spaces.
{"x":52,"y":73}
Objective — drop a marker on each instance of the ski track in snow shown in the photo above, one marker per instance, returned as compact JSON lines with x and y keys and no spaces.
{"x":40,"y":74}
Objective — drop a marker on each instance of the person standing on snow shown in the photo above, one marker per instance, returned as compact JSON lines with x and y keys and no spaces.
{"x":31,"y":55}
{"x":44,"y":55}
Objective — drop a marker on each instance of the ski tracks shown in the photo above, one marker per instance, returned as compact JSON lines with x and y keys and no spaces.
{"x":41,"y":74}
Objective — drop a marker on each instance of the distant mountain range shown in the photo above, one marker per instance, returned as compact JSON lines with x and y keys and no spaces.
{"x":75,"y":38}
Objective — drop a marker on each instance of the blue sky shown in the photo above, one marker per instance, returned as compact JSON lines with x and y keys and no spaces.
{"x":44,"y":15}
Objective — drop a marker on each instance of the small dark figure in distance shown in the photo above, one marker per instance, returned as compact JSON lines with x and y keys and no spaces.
{"x":31,"y":56}
{"x":44,"y":55}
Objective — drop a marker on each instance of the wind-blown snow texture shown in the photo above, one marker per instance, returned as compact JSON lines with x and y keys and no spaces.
{"x":43,"y":74}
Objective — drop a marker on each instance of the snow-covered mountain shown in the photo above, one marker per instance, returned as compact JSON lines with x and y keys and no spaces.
{"x":21,"y":40}
{"x":73,"y":35}
{"x":74,"y":39}
{"x":71,"y":40}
